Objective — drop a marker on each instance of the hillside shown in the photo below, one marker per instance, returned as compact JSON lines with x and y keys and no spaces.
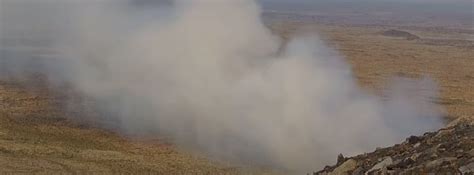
{"x":447,"y":151}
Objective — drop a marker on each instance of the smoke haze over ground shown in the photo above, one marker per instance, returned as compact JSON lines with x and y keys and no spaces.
{"x":210,"y":75}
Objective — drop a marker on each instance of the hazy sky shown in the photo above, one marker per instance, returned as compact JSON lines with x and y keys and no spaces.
{"x":424,"y":1}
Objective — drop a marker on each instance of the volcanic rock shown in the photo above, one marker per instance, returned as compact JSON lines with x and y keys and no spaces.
{"x":448,"y":151}
{"x":345,"y":168}
{"x":467,"y":169}
{"x":381,"y":165}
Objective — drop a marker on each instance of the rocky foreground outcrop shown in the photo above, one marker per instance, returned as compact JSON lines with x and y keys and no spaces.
{"x":447,"y":151}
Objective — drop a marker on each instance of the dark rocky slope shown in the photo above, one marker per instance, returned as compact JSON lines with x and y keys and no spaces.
{"x":447,"y":151}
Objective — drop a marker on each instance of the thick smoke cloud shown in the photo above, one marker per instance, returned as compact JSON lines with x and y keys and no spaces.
{"x":211,"y":76}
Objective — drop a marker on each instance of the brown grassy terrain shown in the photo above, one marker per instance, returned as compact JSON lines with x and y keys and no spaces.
{"x":36,"y":137}
{"x":445,"y":56}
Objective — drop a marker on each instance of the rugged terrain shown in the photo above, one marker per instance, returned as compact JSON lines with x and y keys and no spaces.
{"x":447,"y":151}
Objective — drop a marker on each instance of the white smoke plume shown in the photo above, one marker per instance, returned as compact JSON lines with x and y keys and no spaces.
{"x":211,"y":76}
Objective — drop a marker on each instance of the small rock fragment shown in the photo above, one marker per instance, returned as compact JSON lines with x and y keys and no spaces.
{"x":434,"y":156}
{"x":413,"y":139}
{"x":358,"y":171}
{"x":386,"y":162}
{"x":340,"y":159}
{"x":469,"y":168}
{"x":415,"y":156}
{"x":444,"y":132}
{"x":471,"y":153}
{"x":439,"y":162}
{"x":345,"y":168}
{"x":405,"y":163}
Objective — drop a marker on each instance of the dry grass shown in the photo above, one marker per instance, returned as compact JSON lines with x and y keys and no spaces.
{"x":375,"y":59}
{"x":36,"y":137}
